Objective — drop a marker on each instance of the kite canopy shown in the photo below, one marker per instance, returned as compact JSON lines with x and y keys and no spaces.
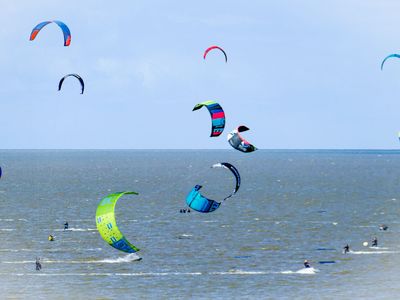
{"x":198,"y":202}
{"x":76,"y":76}
{"x":64,"y":28}
{"x":217,"y":116}
{"x":387,"y":57}
{"x":235,"y":173}
{"x":238,"y":142}
{"x":107,"y":226}
{"x":212,"y":48}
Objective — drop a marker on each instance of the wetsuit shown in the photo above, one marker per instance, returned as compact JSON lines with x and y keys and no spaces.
{"x":66,"y":225}
{"x":38,"y":265}
{"x":307,"y":265}
{"x":374,"y":243}
{"x":346,"y":249}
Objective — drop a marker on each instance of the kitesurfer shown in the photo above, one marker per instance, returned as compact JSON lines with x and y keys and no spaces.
{"x":383,"y":227}
{"x":38,"y":265}
{"x":346,"y":249}
{"x":66,"y":225}
{"x":374,"y":242}
{"x":307,"y":264}
{"x":51,"y":238}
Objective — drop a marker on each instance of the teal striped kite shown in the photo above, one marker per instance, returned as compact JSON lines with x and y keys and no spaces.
{"x":217,"y":116}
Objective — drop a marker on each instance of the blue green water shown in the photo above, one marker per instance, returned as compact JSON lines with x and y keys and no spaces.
{"x":290,"y":204}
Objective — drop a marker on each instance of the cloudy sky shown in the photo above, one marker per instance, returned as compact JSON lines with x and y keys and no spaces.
{"x":300,"y":74}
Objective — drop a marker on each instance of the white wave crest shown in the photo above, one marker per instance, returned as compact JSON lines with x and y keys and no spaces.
{"x":306,"y":271}
{"x":128,"y":258}
{"x":373,"y":252}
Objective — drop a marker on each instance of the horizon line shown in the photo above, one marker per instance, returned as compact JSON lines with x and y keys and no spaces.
{"x":197,"y":149}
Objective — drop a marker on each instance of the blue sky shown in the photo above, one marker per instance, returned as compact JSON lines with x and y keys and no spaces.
{"x":300,"y":74}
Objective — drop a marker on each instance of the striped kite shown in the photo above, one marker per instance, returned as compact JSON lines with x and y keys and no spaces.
{"x":64,"y":28}
{"x":217,"y":116}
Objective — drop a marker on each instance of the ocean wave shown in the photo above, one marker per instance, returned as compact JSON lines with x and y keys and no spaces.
{"x":128,"y":258}
{"x":239,"y":272}
{"x":184,"y":236}
{"x":144,"y":274}
{"x":373,"y":252}
{"x":306,"y":271}
{"x":77,"y":229}
{"x":51,"y":250}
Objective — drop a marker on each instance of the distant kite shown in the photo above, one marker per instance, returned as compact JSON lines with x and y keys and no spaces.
{"x":64,"y":28}
{"x":238,"y":142}
{"x":215,"y":47}
{"x":217,"y":116}
{"x":76,"y":76}
{"x":387,"y":57}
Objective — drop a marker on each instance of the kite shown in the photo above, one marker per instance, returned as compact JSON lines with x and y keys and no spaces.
{"x":238,"y":142}
{"x":217,"y":116}
{"x":76,"y":76}
{"x":387,"y":57}
{"x":107,"y":226}
{"x":212,"y":48}
{"x":198,"y":202}
{"x":235,"y":173}
{"x":64,"y":28}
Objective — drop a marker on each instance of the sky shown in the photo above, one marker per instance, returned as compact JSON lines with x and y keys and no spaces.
{"x":300,"y":74}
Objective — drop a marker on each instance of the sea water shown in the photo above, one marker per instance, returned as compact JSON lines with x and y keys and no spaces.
{"x":291,"y":206}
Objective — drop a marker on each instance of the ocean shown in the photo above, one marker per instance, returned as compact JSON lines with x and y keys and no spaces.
{"x":292,"y":205}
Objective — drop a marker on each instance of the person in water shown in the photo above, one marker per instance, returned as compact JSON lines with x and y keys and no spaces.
{"x":38,"y":264}
{"x":307,"y":264}
{"x":51,"y":238}
{"x":66,"y":226}
{"x":383,"y":227}
{"x":374,"y":242}
{"x":188,"y":210}
{"x":346,"y":249}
